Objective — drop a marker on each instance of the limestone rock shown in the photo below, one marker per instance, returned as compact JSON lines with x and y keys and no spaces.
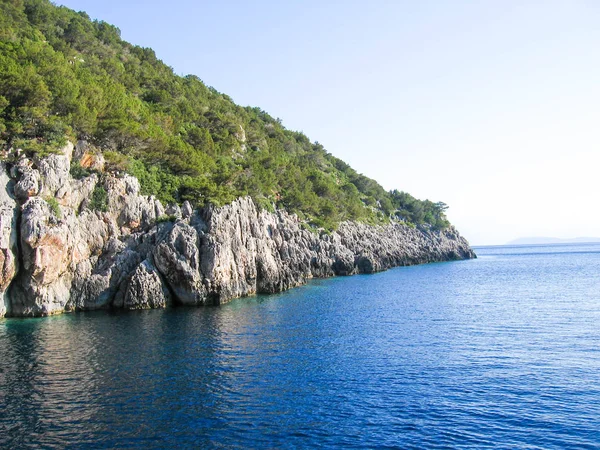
{"x":73,"y":258}
{"x":54,"y":172}
{"x":145,"y":289}
{"x":92,"y":161}
{"x":81,"y":191}
{"x":80,"y":149}
{"x":228,"y":250}
{"x":132,"y":210}
{"x":186,"y":210}
{"x":177,"y":258}
{"x":42,"y":286}
{"x":28,"y":185}
{"x":173,"y":210}
{"x":8,"y":238}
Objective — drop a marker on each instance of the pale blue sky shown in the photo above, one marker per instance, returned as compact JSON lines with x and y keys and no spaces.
{"x":492,"y":107}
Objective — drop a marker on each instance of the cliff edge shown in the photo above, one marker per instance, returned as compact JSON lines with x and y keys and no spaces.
{"x":60,"y":251}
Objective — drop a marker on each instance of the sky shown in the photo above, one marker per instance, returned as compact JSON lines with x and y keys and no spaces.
{"x":492,"y":107}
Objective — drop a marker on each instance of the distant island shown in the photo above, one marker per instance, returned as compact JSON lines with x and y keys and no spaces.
{"x":551,"y":240}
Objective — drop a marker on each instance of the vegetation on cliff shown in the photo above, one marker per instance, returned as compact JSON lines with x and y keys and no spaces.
{"x":63,"y":76}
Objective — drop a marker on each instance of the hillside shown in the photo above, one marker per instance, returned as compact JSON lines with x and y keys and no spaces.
{"x":66,"y":77}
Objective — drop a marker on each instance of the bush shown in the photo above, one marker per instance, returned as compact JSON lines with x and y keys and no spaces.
{"x":54,"y":207}
{"x":99,"y":199}
{"x":264,"y":204}
{"x":165,"y":218}
{"x":116,"y":162}
{"x":77,"y":171}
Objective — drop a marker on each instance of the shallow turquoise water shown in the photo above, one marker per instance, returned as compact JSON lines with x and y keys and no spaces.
{"x":502,"y":351}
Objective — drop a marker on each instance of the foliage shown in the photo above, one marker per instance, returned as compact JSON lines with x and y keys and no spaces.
{"x":77,"y":171}
{"x":64,"y":75}
{"x":54,"y":207}
{"x":99,"y":199}
{"x":419,"y":212}
{"x":115,"y":162}
{"x":165,"y":218}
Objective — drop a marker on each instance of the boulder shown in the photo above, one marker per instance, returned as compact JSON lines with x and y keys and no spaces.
{"x":28,"y":185}
{"x":54,"y":172}
{"x":177,"y":257}
{"x":145,"y":289}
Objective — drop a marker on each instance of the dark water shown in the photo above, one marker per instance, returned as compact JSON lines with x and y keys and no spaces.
{"x":502,"y":351}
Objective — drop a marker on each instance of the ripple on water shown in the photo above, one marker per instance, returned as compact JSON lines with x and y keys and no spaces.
{"x":502,"y":351}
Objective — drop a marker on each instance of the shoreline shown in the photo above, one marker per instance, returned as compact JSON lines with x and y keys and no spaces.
{"x":60,"y":252}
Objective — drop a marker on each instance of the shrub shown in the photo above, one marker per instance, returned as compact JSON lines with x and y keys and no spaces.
{"x":165,"y":218}
{"x":54,"y":207}
{"x":264,"y":204}
{"x":116,"y":161}
{"x":99,"y":199}
{"x":77,"y":171}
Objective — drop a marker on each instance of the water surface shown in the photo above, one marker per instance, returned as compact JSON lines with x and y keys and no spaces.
{"x":502,"y":351}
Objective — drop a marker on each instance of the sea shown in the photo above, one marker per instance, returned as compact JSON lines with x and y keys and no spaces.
{"x":502,"y":351}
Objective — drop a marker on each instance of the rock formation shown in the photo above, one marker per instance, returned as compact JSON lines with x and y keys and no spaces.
{"x":8,"y":237}
{"x":57,"y":254}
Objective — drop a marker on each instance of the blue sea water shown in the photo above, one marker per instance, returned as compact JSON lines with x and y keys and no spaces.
{"x":498,"y":352}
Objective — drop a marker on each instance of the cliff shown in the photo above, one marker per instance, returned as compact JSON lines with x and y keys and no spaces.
{"x":59,"y":254}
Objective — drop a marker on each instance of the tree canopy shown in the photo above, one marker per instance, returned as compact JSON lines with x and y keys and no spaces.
{"x":64,"y":76}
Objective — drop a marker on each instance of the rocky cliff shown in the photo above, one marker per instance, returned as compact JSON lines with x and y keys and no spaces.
{"x":60,"y":252}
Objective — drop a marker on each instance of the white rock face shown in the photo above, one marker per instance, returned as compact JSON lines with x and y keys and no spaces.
{"x":74,"y":258}
{"x":8,"y":237}
{"x":245,"y":252}
{"x":54,"y":172}
{"x":145,"y":289}
{"x":29,"y":183}
{"x":177,"y":257}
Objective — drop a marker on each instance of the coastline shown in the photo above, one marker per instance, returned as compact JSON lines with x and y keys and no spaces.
{"x":59,"y":254}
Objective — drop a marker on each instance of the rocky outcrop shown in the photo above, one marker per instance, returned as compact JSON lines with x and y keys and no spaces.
{"x":8,"y":236}
{"x":58,"y":253}
{"x":146,"y":289}
{"x":177,"y":257}
{"x":245,"y":251}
